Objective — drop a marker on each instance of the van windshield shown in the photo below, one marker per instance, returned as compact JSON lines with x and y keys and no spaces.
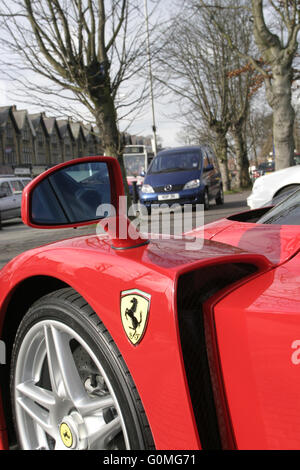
{"x":177,"y":161}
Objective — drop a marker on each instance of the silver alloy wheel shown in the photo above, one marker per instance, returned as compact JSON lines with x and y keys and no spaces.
{"x":75,"y":407}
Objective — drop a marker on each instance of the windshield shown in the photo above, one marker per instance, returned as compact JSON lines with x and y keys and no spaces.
{"x":286,"y":212}
{"x":177,"y":161}
{"x":267,"y":166}
{"x":134,"y":164}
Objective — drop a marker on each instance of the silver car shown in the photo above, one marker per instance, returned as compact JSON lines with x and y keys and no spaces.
{"x":11,"y":188}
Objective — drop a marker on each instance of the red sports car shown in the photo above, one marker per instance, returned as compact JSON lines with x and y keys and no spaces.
{"x":117,"y":342}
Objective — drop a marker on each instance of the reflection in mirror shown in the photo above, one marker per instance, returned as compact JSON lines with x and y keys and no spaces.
{"x":71,"y":195}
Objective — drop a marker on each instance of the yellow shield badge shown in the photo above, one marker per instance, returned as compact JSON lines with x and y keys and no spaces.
{"x":135,"y":306}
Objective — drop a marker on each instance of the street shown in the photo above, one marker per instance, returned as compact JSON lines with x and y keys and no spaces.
{"x":16,"y":238}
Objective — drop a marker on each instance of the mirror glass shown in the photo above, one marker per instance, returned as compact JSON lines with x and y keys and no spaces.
{"x":71,"y":195}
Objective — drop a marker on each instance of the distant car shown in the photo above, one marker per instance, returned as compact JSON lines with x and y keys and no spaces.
{"x":263,"y":169}
{"x":270,"y":189}
{"x":11,"y":188}
{"x":184,"y":175}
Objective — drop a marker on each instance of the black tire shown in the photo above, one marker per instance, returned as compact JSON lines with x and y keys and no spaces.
{"x":220,"y":197}
{"x":206,"y":200}
{"x":97,"y":361}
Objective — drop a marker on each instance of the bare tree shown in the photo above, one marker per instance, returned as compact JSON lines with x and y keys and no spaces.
{"x":198,"y":64}
{"x":277,"y":44}
{"x":194,"y":63}
{"x":278,"y":54}
{"x":83,"y":51}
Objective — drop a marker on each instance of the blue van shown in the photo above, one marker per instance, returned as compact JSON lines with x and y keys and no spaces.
{"x":183,"y":175}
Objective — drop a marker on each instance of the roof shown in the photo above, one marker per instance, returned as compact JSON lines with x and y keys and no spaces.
{"x":5,"y":112}
{"x":185,"y":148}
{"x":51,"y":123}
{"x":76,"y":128}
{"x":64,"y":127}
{"x":37,"y":119}
{"x":21,"y":117}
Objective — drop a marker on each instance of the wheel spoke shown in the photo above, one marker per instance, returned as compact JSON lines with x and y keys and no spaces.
{"x":64,"y":375}
{"x":38,"y":414}
{"x":89,"y":406}
{"x":101,"y":433}
{"x":37,"y":394}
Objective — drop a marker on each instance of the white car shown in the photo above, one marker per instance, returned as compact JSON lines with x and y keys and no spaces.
{"x":270,"y":189}
{"x":11,"y":188}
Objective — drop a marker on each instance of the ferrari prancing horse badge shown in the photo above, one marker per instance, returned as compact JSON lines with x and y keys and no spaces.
{"x":135,"y":306}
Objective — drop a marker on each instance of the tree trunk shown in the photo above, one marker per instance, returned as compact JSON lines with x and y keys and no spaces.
{"x":279,"y":57}
{"x":243,"y":178}
{"x":279,"y":98}
{"x":105,"y":115}
{"x":221,"y":152}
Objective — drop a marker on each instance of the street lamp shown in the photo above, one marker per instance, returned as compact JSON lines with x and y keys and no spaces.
{"x":150,"y":79}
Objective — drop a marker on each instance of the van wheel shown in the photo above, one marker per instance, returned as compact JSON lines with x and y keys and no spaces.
{"x":220,"y":197}
{"x":206,"y":200}
{"x":70,"y":387}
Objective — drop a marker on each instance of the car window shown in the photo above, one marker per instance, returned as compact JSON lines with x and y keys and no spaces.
{"x":5,"y":188}
{"x":206,"y":161}
{"x":16,"y":186}
{"x":215,"y":161}
{"x":177,"y":161}
{"x":286,"y":212}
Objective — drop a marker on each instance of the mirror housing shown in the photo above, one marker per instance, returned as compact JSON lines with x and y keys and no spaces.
{"x":68,"y":194}
{"x":208,"y":168}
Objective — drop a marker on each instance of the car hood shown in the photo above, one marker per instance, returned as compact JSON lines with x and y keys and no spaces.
{"x":281,"y":177}
{"x":172,"y":177}
{"x":277,"y":243}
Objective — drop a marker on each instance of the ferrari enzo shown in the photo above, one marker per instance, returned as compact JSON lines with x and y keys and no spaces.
{"x":115,"y":341}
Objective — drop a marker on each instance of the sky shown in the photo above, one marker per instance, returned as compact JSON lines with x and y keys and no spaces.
{"x":167,"y":127}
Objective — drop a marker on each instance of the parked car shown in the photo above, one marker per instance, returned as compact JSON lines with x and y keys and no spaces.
{"x":184,"y":175}
{"x":269,"y":189}
{"x":11,"y":188}
{"x":116,"y":341}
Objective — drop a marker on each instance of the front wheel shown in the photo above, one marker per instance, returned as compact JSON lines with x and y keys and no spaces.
{"x":220,"y":197}
{"x":206,"y":200}
{"x":70,"y":386}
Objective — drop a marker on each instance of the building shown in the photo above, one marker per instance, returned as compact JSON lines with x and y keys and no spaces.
{"x":32,"y":143}
{"x":67,"y":139}
{"x":8,"y":140}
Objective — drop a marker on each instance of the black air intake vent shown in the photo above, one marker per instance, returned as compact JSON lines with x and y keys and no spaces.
{"x":194,"y":288}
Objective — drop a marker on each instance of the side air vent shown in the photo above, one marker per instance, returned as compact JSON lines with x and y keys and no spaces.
{"x":194,"y":288}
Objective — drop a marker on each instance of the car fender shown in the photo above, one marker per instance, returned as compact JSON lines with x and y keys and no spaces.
{"x":100,"y":283}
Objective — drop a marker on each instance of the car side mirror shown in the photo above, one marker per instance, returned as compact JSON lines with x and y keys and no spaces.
{"x":208,"y":168}
{"x":75,"y":193}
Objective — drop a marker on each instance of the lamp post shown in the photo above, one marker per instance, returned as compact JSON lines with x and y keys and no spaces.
{"x":150,"y":79}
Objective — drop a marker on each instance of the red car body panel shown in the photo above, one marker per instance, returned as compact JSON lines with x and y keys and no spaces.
{"x":277,"y":242}
{"x":258,"y":332}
